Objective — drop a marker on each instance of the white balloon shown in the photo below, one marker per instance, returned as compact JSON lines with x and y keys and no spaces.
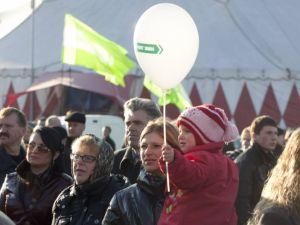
{"x":166,"y":44}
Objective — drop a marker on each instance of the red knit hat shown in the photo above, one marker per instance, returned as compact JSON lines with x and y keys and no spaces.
{"x":208,"y":123}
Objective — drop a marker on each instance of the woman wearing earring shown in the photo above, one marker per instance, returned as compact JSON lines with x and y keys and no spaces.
{"x":27,"y":195}
{"x":86,"y":201}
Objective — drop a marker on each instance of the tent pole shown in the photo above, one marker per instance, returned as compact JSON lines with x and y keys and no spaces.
{"x":31,"y":107}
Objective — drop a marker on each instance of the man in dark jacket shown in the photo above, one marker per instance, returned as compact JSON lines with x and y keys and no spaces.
{"x":106,"y":130}
{"x":254,"y":166}
{"x":12,"y":129}
{"x":75,"y":127}
{"x":137,"y":112}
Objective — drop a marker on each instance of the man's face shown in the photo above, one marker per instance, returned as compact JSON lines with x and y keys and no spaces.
{"x":10,"y":131}
{"x":75,"y":129}
{"x":267,"y":138}
{"x":134,"y":125}
{"x":105,"y":132}
{"x":246,"y":140}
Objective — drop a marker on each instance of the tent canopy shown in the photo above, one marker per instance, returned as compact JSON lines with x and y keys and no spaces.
{"x":236,"y":37}
{"x":248,"y":61}
{"x":88,"y":82}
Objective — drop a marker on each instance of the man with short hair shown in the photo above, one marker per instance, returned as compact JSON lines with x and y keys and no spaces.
{"x":75,"y":127}
{"x":137,"y":113}
{"x":106,"y":130}
{"x":254,"y":165}
{"x":12,"y":129}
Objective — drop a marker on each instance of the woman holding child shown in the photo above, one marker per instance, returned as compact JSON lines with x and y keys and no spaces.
{"x":141,"y":203}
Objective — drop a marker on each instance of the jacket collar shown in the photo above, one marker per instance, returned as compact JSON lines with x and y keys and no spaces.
{"x":96,"y":187}
{"x":23,"y":170}
{"x":151,"y":184}
{"x":129,"y":158}
{"x":265,"y":156}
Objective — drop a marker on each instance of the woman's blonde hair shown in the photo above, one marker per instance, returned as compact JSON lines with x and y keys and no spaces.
{"x":282,"y":187}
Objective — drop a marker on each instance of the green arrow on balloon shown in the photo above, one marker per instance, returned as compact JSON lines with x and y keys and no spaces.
{"x":149,"y":48}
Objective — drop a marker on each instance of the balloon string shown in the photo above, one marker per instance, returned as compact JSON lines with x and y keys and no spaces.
{"x":165,"y":138}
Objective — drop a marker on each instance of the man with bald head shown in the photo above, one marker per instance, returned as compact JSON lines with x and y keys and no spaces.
{"x":52,"y":121}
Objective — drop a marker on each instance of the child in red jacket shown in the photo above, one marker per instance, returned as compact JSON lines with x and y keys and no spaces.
{"x":204,"y":181}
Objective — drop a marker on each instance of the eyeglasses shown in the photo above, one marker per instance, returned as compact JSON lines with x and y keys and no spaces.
{"x":39,"y":148}
{"x":84,"y":158}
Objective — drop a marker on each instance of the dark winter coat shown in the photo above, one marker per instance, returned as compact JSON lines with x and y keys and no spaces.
{"x":9,"y":164}
{"x":254,"y":166}
{"x":27,"y":198}
{"x":126,"y":165}
{"x":86,"y":204}
{"x":278,"y":216}
{"x":64,"y":157}
{"x":139,"y":204}
{"x":110,"y":141}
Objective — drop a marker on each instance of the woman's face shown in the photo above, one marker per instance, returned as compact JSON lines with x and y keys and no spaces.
{"x":83,"y":162}
{"x":151,"y":145}
{"x":38,"y":155}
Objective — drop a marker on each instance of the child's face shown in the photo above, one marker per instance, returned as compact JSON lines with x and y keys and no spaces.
{"x":186,"y":139}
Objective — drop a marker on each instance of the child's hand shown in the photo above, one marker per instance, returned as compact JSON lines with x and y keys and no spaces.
{"x":168,"y":153}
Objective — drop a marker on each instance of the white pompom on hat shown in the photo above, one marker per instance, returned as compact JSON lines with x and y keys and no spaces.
{"x":209,"y":124}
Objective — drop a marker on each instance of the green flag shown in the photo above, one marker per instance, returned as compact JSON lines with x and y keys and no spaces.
{"x":85,"y":47}
{"x":176,"y":96}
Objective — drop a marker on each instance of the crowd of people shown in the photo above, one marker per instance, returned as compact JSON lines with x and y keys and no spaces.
{"x":167,"y":172}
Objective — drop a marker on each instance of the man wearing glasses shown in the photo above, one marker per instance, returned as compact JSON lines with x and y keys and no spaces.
{"x":12,"y":129}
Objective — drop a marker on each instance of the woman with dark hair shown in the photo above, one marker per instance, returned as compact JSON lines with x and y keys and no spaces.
{"x":280,"y":200}
{"x":27,"y":195}
{"x":141,"y":203}
{"x":86,"y":201}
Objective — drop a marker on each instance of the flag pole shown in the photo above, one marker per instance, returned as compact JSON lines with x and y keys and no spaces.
{"x":165,"y":138}
{"x":31,"y":107}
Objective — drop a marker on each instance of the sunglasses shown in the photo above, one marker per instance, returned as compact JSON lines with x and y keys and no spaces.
{"x":38,"y":148}
{"x":84,"y":158}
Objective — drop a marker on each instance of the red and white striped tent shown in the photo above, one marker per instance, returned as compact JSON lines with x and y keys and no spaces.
{"x":248,"y":60}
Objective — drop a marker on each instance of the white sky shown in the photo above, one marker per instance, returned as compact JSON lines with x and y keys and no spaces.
{"x":13,"y":12}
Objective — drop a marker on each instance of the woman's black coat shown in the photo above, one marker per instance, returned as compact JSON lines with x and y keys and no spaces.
{"x":139,"y":204}
{"x":86,"y":204}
